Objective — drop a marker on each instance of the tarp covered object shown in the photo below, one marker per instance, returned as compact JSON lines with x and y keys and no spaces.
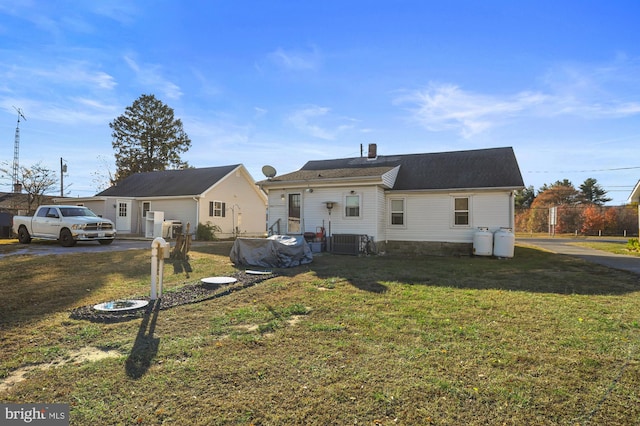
{"x":277,"y":251}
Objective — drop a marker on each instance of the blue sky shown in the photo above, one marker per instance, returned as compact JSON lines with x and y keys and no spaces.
{"x":283,"y":82}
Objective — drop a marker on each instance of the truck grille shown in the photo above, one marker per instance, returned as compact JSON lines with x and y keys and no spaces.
{"x":99,"y":226}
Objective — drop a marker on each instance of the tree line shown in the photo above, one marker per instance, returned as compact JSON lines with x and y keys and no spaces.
{"x":579,"y":210}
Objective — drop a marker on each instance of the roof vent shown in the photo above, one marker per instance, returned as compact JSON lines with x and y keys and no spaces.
{"x":373,"y":151}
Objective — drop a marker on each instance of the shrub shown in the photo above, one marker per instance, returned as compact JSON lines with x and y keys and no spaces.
{"x":633,"y":244}
{"x":207,"y":232}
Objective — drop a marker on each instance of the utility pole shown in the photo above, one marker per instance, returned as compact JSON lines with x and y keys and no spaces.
{"x":63,"y":170}
{"x":17,"y":187}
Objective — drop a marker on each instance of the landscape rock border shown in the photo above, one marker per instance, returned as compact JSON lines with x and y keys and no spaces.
{"x":189,"y":293}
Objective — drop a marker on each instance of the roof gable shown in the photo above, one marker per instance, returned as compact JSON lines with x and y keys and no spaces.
{"x":168,"y":183}
{"x":635,"y":194}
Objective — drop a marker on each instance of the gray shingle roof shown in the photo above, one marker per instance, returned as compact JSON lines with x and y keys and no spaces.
{"x":167,"y":183}
{"x":482,"y":168}
{"x":339,"y":173}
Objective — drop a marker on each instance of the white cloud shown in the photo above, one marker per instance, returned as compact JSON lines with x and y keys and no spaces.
{"x":302,"y":120}
{"x":123,"y":11}
{"x":259,"y":112}
{"x":71,"y":73}
{"x":447,"y":107}
{"x":150,"y":76}
{"x":318,"y":122}
{"x":295,"y":60}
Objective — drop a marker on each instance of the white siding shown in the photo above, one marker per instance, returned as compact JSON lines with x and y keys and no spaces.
{"x":381,"y":231}
{"x":429,"y":217}
{"x":277,"y":211}
{"x":182,"y":209}
{"x":389,"y":178}
{"x":315,"y":214}
{"x":245,"y":206}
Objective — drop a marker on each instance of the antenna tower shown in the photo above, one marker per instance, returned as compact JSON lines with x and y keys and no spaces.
{"x":17,"y":187}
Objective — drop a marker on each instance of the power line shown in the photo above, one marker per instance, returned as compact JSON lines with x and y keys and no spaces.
{"x":584,"y":171}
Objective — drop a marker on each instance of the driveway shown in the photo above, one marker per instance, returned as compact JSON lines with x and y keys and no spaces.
{"x":565,"y":246}
{"x":37,"y":248}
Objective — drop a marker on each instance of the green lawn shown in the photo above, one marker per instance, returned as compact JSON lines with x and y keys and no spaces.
{"x":611,"y":247}
{"x":537,"y":339}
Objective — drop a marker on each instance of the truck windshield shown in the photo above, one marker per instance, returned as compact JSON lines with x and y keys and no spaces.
{"x":76,"y":211}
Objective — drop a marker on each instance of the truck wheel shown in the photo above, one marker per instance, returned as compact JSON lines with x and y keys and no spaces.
{"x":23,"y":236}
{"x":66,"y":239}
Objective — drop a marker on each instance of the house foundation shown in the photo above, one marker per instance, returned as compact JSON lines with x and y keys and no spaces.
{"x":425,"y":248}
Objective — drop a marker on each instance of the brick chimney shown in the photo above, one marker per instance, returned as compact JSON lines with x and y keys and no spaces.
{"x":373,"y":151}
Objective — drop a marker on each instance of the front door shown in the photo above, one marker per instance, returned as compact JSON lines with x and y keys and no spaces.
{"x":293,"y":224}
{"x":123,"y":216}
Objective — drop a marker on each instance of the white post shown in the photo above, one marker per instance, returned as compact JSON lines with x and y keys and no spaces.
{"x":154,"y":270}
{"x":158,"y":252}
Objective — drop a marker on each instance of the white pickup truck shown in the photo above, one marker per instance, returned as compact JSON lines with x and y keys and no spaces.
{"x":67,"y":224}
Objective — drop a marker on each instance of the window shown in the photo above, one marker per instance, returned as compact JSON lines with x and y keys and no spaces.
{"x":43,"y":212}
{"x":122,"y":209}
{"x":397,"y":212}
{"x":352,"y":206}
{"x":217,"y":208}
{"x":461,"y":211}
{"x":146,"y":206}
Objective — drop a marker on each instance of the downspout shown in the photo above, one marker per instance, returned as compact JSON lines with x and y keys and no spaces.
{"x":512,"y":211}
{"x":197,"y":200}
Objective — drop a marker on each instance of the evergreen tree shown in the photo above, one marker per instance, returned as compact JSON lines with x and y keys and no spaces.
{"x":592,"y":192}
{"x":147,"y":138}
{"x":525,"y":197}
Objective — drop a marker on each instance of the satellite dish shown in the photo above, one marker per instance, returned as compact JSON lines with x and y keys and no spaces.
{"x":269,"y":171}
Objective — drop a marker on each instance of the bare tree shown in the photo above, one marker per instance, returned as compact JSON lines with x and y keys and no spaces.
{"x":103,"y":178}
{"x":35,"y":180}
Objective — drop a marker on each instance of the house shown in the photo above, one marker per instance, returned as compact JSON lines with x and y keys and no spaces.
{"x":635,"y":198}
{"x":17,"y":203}
{"x":157,"y":203}
{"x":429,"y":203}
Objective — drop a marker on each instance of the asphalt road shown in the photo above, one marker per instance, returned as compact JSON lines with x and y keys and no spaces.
{"x":42,"y":248}
{"x":565,"y":246}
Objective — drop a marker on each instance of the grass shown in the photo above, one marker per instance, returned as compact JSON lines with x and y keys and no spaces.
{"x":620,"y":247}
{"x":537,"y":339}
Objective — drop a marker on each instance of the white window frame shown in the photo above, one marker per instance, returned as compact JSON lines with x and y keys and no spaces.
{"x":217,"y":207}
{"x":454,"y":211}
{"x":344,"y":211}
{"x":294,"y":223}
{"x":146,"y":206}
{"x":122,"y":210}
{"x":403,"y":211}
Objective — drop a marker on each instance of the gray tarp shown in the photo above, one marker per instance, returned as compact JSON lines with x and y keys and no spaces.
{"x":277,"y":251}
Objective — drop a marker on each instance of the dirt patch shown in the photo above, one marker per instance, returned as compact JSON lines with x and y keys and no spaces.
{"x":86,"y":354}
